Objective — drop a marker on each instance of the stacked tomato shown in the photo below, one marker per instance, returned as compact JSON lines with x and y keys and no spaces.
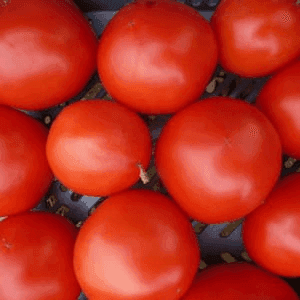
{"x":219,"y":158}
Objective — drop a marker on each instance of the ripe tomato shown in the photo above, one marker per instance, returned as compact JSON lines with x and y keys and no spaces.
{"x":25,"y":175}
{"x":279,"y":100}
{"x":47,"y":53}
{"x":219,"y":159}
{"x":157,"y":56}
{"x":239,"y":281}
{"x":271,"y":233}
{"x":256,"y":37}
{"x":96,"y":147}
{"x":36,"y":252}
{"x":137,"y":245}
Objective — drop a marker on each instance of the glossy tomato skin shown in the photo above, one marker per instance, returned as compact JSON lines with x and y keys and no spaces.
{"x":95,"y":147}
{"x":256,"y":38}
{"x":137,"y":245}
{"x":36,"y":252}
{"x":271,"y":232}
{"x":219,"y":158}
{"x":48,"y":53}
{"x":239,"y":281}
{"x":157,"y":56}
{"x":25,"y":175}
{"x":279,"y":100}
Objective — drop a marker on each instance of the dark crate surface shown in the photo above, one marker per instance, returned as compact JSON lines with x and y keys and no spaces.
{"x":219,"y":243}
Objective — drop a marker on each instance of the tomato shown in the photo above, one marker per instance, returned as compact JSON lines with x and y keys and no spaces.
{"x":25,"y":175}
{"x":271,"y":233}
{"x":36,"y":252}
{"x":137,"y":245}
{"x":48,"y":53}
{"x":239,"y":281}
{"x":279,"y":100}
{"x":219,"y":158}
{"x":255,"y":37}
{"x":156,"y":56}
{"x":98,"y":147}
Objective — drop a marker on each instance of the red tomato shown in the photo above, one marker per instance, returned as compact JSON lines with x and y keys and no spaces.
{"x":36,"y":252}
{"x":256,"y":37}
{"x":219,"y":159}
{"x":95,"y":147}
{"x":239,"y":281}
{"x":137,"y":245}
{"x":48,"y":53}
{"x":157,"y":56}
{"x":271,"y":233}
{"x":279,"y":100}
{"x":25,"y":175}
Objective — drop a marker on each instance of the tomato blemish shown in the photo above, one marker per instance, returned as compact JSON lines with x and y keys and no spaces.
{"x":4,"y":3}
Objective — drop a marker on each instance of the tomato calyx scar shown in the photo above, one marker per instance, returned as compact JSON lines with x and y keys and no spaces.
{"x":131,"y":24}
{"x":228,"y":142}
{"x":4,"y":3}
{"x":143,"y":174}
{"x":6,"y":244}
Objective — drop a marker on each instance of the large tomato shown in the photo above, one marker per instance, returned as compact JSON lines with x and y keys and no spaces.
{"x":156,"y":56}
{"x":138,"y":245}
{"x":98,"y":147}
{"x":47,"y":52}
{"x":257,"y":37}
{"x":36,"y":258}
{"x":25,"y":175}
{"x":219,"y":159}
{"x":280,"y":101}
{"x":239,"y":281}
{"x":271,"y":233}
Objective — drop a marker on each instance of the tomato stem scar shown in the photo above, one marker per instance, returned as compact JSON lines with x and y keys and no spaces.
{"x":143,"y":174}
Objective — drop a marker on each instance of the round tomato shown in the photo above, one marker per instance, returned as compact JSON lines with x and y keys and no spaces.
{"x":271,"y":233}
{"x":48,"y":53}
{"x":156,"y":56}
{"x":137,"y":245}
{"x":25,"y":175}
{"x":98,"y":147}
{"x":219,"y":158}
{"x":256,"y":37}
{"x":239,"y":281}
{"x":279,"y":100}
{"x":36,"y":253}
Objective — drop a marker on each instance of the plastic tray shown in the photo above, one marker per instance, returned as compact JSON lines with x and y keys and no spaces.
{"x":219,"y":243}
